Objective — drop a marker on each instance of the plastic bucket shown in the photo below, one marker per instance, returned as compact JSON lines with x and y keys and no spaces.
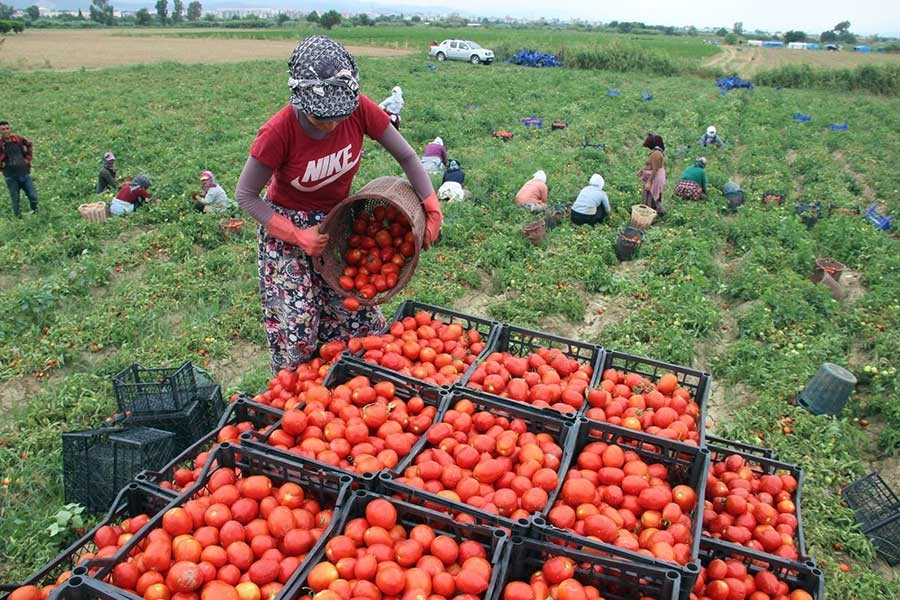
{"x":735,"y":200}
{"x":628,"y":242}
{"x":642,"y":216}
{"x":828,"y":391}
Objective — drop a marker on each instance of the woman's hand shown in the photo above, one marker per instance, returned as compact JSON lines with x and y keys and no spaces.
{"x":311,"y":240}
{"x":433,"y":218}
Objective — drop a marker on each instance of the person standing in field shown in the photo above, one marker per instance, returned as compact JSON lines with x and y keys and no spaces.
{"x":131,"y":196}
{"x":212,"y":197}
{"x":106,"y":180}
{"x":311,"y":149}
{"x":392,"y":105}
{"x":592,"y":204}
{"x":15,"y":160}
{"x":653,"y":175}
{"x":533,"y":193}
{"x":692,"y":185}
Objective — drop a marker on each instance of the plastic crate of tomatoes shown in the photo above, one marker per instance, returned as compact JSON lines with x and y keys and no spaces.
{"x":741,"y":447}
{"x":435,"y":550}
{"x":537,"y":368}
{"x":134,"y":501}
{"x":766,"y":517}
{"x":537,"y":568}
{"x":362,"y":419}
{"x":648,"y":395}
{"x":429,"y":343}
{"x":263,"y":515}
{"x":495,"y":456}
{"x":730,"y":572}
{"x":242,"y":415}
{"x":637,"y":483}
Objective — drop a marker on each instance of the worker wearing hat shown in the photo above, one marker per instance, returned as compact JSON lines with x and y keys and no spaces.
{"x":711,"y":138}
{"x":212,"y":197}
{"x":311,"y":150}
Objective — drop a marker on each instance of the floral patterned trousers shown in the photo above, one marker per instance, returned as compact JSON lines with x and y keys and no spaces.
{"x":299,"y":309}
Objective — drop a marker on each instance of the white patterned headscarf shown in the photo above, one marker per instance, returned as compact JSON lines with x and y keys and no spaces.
{"x":323,"y":78}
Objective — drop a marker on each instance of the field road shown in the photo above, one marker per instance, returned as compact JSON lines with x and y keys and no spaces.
{"x":66,"y":50}
{"x":747,"y":60}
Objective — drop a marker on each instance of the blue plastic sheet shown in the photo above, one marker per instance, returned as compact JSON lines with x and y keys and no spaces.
{"x":431,"y":67}
{"x":730,"y":83}
{"x":613,"y":93}
{"x":645,"y":96}
{"x":533,"y":58}
{"x":532,"y":121}
{"x":841,"y":127}
{"x":802,"y":118}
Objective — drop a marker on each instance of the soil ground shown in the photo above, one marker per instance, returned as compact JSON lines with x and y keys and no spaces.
{"x":66,"y":50}
{"x":746,"y":61}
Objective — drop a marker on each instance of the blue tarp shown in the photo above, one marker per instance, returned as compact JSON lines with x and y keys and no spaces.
{"x":730,"y":83}
{"x":532,"y":58}
{"x":431,"y":67}
{"x":646,"y":96}
{"x":836,"y":127}
{"x":773,"y":44}
{"x":532,"y":121}
{"x":802,"y":118}
{"x":812,"y":46}
{"x":613,"y":93}
{"x":863,"y":48}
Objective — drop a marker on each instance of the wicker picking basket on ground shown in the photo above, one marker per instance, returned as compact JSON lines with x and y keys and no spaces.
{"x":642,"y":216}
{"x":391,"y":191}
{"x":95,"y":212}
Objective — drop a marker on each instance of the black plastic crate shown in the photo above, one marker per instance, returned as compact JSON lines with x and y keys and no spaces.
{"x":522,"y":342}
{"x":132,"y":500}
{"x":877,"y":510}
{"x":329,"y":487}
{"x":560,"y":427}
{"x":614,"y":578}
{"x":240,"y":411}
{"x":698,"y":382}
{"x":190,"y":424}
{"x":493,"y":540}
{"x":766,"y":466}
{"x":342,"y":371}
{"x":79,"y":587}
{"x":741,"y":447}
{"x":687,"y":465}
{"x":803,"y":576}
{"x":97,"y":463}
{"x":141,"y":390}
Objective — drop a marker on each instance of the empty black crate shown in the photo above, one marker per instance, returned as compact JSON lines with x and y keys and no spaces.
{"x":97,"y":463}
{"x":197,"y":419}
{"x":614,"y":578}
{"x":141,"y":390}
{"x":877,"y":510}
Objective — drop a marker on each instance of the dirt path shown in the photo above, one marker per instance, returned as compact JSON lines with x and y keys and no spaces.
{"x":869,"y":194}
{"x":65,"y":50}
{"x":748,"y":60}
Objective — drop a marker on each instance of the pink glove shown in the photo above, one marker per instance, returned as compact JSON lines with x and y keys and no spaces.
{"x":433,"y":218}
{"x":309,"y":240}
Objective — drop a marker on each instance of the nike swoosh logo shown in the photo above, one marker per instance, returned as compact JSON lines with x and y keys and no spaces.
{"x":303,"y":188}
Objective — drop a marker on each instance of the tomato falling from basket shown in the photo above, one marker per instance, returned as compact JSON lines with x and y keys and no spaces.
{"x":381,"y":245}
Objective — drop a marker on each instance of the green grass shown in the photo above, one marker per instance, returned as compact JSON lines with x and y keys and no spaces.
{"x":162,"y":285}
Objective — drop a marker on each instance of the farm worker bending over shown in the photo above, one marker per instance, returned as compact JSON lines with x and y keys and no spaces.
{"x":692,"y":185}
{"x":435,"y":156}
{"x":533,"y":194}
{"x":392,"y":105}
{"x":313,"y":147}
{"x":654,"y":174}
{"x":15,"y":160}
{"x":592,"y":204}
{"x":454,"y":173}
{"x":711,"y":138}
{"x":106,"y":180}
{"x":452,"y":183}
{"x":212,"y":198}
{"x":131,"y":196}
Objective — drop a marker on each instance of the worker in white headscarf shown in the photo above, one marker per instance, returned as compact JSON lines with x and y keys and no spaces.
{"x":592,"y":204}
{"x":392,"y":105}
{"x":533,"y":194}
{"x":711,"y":138}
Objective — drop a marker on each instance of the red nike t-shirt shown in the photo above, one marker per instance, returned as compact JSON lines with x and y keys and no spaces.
{"x":311,"y":174}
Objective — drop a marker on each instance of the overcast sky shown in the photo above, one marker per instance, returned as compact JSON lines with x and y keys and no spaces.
{"x":865,"y":16}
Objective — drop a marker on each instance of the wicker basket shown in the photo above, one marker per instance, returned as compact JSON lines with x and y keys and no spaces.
{"x":231,"y":227}
{"x":95,"y":212}
{"x":535,"y":232}
{"x":642,"y":216}
{"x":393,"y":191}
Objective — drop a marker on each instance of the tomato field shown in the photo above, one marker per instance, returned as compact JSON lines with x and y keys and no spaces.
{"x":722,"y":293}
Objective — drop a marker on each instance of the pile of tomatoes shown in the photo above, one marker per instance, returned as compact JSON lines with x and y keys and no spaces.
{"x":746,"y":507}
{"x":377,"y":557}
{"x":612,"y":495}
{"x":730,"y":580}
{"x":423,"y":347}
{"x":490,"y":462}
{"x":544,"y":378}
{"x":381,"y":245}
{"x":631,"y":400}
{"x":360,"y":426}
{"x":557,"y":580}
{"x":285,"y":387}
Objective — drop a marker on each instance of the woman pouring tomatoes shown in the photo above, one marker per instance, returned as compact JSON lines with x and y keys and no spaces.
{"x":311,"y":150}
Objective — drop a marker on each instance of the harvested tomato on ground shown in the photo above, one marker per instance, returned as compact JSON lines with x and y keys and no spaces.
{"x":493,"y":463}
{"x":631,"y":400}
{"x":746,"y":507}
{"x":422,"y":347}
{"x":545,"y":378}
